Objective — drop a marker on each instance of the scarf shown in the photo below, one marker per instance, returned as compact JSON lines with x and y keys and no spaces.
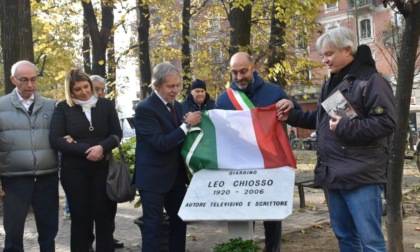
{"x":86,"y":106}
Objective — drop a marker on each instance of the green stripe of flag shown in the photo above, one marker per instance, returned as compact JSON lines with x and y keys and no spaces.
{"x":205,"y":155}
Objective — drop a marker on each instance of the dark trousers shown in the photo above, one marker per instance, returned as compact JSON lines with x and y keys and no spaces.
{"x":153,"y":204}
{"x":272,"y":231}
{"x":21,"y":192}
{"x":88,"y":202}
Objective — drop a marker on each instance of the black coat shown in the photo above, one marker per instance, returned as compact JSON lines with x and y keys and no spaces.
{"x":356,"y":153}
{"x":189,"y":105}
{"x":72,"y":121}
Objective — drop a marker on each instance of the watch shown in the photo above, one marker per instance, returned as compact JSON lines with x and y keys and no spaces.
{"x":188,"y":126}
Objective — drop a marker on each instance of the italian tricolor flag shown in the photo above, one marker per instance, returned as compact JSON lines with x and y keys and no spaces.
{"x":232,"y":139}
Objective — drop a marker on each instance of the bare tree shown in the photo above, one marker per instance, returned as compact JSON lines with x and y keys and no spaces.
{"x":16,"y":35}
{"x":87,"y":63}
{"x":406,"y":67}
{"x":99,"y":37}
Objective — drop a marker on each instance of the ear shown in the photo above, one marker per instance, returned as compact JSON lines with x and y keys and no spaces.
{"x":347,"y":50}
{"x":13,"y":79}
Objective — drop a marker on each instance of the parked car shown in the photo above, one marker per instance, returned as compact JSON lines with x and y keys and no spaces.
{"x":304,"y":144}
{"x":310,"y":142}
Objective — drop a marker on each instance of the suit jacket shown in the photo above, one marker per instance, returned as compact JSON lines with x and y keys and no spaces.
{"x":159,"y":142}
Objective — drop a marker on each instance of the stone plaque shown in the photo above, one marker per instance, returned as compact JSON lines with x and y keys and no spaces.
{"x":239,"y":195}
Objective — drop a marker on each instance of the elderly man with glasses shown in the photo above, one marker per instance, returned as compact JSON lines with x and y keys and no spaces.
{"x":248,"y":90}
{"x":28,"y":164}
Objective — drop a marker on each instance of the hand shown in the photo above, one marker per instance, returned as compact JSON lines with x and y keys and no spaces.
{"x":334,"y":121}
{"x":193,"y":118}
{"x":69,"y":139}
{"x":95,"y":153}
{"x":282,"y":116}
{"x":283,"y":107}
{"x":2,"y":193}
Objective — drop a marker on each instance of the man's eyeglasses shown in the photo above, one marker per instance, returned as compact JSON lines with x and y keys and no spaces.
{"x":25,"y":80}
{"x":242,"y":71}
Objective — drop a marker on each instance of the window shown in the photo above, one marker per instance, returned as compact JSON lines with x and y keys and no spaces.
{"x":359,"y":3}
{"x":331,"y":5}
{"x":365,"y":29}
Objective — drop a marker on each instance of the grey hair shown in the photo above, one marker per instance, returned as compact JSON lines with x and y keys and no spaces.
{"x":161,"y":71}
{"x":19,"y":63}
{"x":97,"y":78}
{"x":340,"y":37}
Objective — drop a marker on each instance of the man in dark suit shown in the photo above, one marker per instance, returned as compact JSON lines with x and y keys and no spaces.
{"x":160,"y":172}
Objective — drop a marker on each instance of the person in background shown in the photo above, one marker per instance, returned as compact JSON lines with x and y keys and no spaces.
{"x":198,"y":99}
{"x":352,"y":153}
{"x":253,"y":90}
{"x":81,"y":129}
{"x":99,"y":85}
{"x":28,"y":163}
{"x":160,"y":172}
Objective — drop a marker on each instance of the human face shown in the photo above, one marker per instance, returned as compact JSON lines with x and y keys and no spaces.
{"x":169,"y":88}
{"x":81,"y":90}
{"x":336,"y":59}
{"x":199,"y":94}
{"x":25,"y":80}
{"x":99,"y":88}
{"x":242,"y":70}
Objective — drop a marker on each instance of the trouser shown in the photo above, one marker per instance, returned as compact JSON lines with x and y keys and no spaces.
{"x":272,"y":231}
{"x":356,"y":218}
{"x":88,"y":202}
{"x":40,"y":192}
{"x":153,"y":204}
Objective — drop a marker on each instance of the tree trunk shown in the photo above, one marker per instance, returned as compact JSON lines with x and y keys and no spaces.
{"x":87,"y":63}
{"x":186,"y":51}
{"x":98,"y":37}
{"x":276,"y":54}
{"x":240,"y":24}
{"x":143,"y":41}
{"x":16,"y":36}
{"x":406,"y":66}
{"x":112,"y":69}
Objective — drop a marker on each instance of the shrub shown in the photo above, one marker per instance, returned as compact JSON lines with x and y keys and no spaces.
{"x":129,"y":150}
{"x":237,"y":245}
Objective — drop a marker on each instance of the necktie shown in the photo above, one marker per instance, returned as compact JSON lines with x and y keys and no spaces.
{"x":172,"y":109}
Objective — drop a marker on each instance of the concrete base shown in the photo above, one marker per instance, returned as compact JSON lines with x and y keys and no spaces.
{"x":243,"y":229}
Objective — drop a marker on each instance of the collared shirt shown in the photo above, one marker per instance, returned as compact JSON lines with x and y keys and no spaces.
{"x":183,"y":125}
{"x":25,"y":103}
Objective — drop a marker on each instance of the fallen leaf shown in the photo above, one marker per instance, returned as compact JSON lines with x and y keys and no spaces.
{"x":303,"y":231}
{"x":193,"y":238}
{"x":417,"y":229}
{"x":317,"y":226}
{"x":417,"y":245}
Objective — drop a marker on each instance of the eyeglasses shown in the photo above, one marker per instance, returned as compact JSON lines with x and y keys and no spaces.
{"x":242,"y":71}
{"x":25,"y":80}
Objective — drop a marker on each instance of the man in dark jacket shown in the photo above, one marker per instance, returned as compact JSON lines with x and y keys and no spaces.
{"x":198,"y":99}
{"x":352,"y":153}
{"x":246,"y":91}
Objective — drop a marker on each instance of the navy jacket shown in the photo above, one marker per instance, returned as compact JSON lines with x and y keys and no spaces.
{"x":189,"y":105}
{"x":357,"y":152}
{"x":159,"y":143}
{"x":261,"y":94}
